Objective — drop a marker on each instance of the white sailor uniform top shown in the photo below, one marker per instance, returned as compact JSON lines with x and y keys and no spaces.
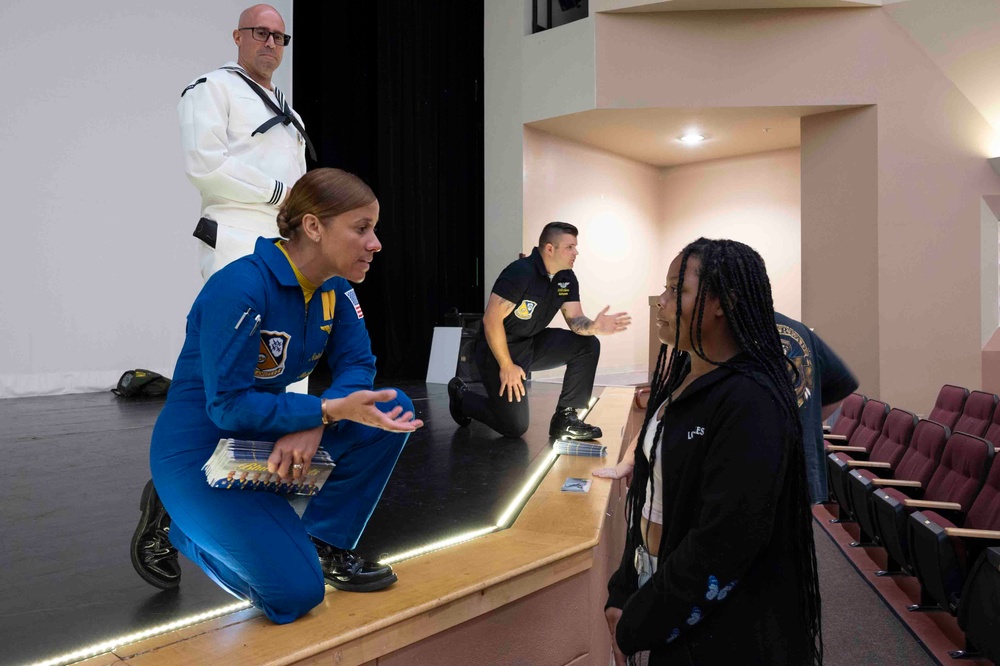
{"x":243,"y":174}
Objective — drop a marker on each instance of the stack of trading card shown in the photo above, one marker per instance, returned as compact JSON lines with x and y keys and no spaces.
{"x":239,"y":464}
{"x":571,"y":448}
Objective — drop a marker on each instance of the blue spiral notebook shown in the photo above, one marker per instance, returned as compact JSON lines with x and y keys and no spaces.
{"x":242,"y":465}
{"x":570,"y":448}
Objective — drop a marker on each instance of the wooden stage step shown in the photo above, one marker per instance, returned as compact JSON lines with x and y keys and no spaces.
{"x":554,"y":537}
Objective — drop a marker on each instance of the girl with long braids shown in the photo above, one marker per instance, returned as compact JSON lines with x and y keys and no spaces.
{"x":719,"y":564}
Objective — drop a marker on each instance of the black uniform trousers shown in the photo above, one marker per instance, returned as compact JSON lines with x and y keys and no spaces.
{"x":552,"y":348}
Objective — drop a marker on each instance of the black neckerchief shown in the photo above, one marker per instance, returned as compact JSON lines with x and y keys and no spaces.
{"x":283,"y":114}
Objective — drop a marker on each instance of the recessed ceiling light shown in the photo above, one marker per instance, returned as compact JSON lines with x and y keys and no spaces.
{"x":692,"y":138}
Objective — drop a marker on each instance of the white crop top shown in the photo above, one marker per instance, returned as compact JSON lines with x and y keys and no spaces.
{"x":652,"y":510}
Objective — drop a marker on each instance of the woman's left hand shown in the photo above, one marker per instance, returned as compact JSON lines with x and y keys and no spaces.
{"x":293,"y":453}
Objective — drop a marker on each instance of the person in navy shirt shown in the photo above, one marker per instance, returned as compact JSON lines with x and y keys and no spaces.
{"x":515,"y":338}
{"x":822,"y":381}
{"x":259,"y":324}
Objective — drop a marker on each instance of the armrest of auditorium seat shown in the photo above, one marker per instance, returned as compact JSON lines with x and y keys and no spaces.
{"x":869,"y":464}
{"x":931,"y":504}
{"x":846,"y":449}
{"x":834,"y":438}
{"x":971,"y":533}
{"x":897,"y":483}
{"x":641,"y":400}
{"x":827,"y":429}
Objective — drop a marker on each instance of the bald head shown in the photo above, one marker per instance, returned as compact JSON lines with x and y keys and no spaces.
{"x":259,"y":59}
{"x":249,"y":16}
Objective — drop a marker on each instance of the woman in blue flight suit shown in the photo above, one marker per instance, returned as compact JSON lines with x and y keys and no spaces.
{"x":258,"y":325}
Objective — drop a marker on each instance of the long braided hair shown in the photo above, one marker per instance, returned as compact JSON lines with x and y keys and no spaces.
{"x":735,"y":274}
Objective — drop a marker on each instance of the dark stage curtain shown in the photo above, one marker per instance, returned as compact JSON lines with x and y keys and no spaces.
{"x":391,"y":90}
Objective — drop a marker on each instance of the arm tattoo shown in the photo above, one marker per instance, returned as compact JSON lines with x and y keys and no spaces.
{"x":581,"y":325}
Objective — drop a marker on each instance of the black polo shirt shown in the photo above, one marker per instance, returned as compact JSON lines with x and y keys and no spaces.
{"x":535,"y":296}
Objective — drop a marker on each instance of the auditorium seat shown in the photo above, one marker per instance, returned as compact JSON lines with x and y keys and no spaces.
{"x":942,"y":548}
{"x":977,"y":413}
{"x":860,"y":443}
{"x":848,"y":419}
{"x":913,"y":471}
{"x":951,"y":489}
{"x":979,"y":610}
{"x":993,"y":429}
{"x":948,"y":406}
{"x":885,"y":453}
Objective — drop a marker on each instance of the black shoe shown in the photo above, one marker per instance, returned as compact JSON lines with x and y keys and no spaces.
{"x":457,"y":389}
{"x":345,"y":570}
{"x":566,"y":424}
{"x":153,"y":556}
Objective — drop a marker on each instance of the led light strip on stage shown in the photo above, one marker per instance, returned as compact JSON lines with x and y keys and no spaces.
{"x":109,"y":645}
{"x":502,"y":523}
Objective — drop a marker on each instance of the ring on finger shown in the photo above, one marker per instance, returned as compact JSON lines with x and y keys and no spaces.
{"x":297,"y":466}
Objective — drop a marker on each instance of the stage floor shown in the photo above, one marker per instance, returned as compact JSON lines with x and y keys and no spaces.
{"x":69,"y":500}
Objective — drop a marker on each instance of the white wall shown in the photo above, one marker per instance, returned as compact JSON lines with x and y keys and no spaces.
{"x":99,"y":267}
{"x":504,"y":26}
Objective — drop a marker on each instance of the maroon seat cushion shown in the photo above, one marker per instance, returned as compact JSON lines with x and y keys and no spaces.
{"x":993,"y":429}
{"x":850,"y":415}
{"x":977,"y":413}
{"x":923,"y":455}
{"x":949,"y":404}
{"x":897,"y":495}
{"x":867,"y":474}
{"x":894,"y":438}
{"x":960,"y":472}
{"x":872,"y":420}
{"x":985,"y":511}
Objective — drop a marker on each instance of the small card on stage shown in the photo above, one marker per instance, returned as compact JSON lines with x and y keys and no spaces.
{"x":576,"y":485}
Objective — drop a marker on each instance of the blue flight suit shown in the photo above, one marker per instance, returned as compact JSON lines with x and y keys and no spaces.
{"x":249,"y":335}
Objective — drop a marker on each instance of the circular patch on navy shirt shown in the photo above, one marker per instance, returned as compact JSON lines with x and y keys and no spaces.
{"x":799,"y":353}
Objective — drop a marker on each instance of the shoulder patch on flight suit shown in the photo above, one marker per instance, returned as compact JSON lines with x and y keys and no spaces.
{"x":525,"y":309}
{"x":353,"y":298}
{"x":272,"y":354}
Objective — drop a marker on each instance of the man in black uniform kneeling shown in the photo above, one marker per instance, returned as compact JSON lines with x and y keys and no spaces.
{"x":514,"y":339}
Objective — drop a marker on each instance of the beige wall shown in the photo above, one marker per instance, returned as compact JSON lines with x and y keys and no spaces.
{"x":840,"y":236}
{"x":931,"y":146}
{"x":615,"y":202}
{"x":558,"y":71}
{"x":634,"y":218}
{"x":754,"y":199}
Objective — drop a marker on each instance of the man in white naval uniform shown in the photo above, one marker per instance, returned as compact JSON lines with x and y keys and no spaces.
{"x":244,"y":146}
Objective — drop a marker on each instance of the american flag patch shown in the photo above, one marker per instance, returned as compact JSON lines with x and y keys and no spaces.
{"x":353,"y":298}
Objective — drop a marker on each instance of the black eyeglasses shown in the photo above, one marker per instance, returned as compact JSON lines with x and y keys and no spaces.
{"x":261,"y":35}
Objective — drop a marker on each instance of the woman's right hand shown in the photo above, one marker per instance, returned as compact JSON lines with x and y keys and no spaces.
{"x":360,"y":407}
{"x":612,"y":615}
{"x":622,"y":470}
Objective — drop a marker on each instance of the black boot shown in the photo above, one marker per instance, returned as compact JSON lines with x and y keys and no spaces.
{"x":457,"y":389}
{"x":345,"y":570}
{"x":566,"y":424}
{"x":153,"y":556}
